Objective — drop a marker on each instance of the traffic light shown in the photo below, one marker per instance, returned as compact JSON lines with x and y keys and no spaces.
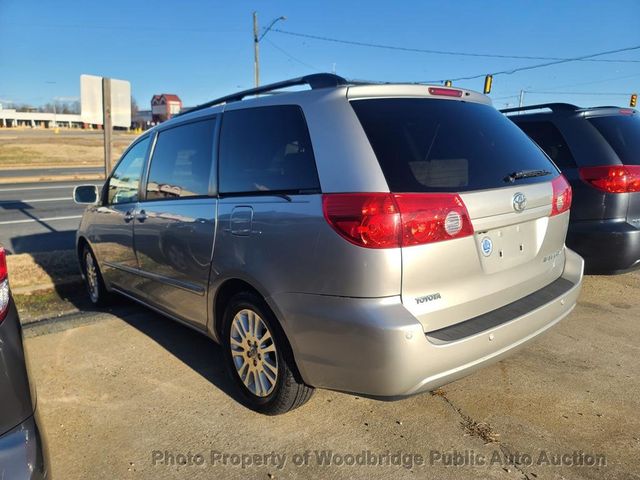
{"x":488,"y":80}
{"x":448,"y":83}
{"x":634,"y":100}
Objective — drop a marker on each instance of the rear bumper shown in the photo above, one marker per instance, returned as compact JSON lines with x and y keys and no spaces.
{"x":608,"y":247}
{"x":23,"y":453}
{"x":375,"y":347}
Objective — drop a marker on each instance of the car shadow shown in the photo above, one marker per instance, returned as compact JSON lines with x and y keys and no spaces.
{"x":53,"y":240}
{"x":60,"y":265}
{"x":194,"y":349}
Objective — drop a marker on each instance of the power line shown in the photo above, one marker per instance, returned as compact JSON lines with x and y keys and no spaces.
{"x":592,"y":82}
{"x":441,"y":52}
{"x":538,"y":65}
{"x":576,"y":93}
{"x":295,"y":59}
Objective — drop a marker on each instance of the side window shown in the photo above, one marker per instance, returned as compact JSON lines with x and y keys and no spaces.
{"x":266,"y":149}
{"x":547,"y":135}
{"x":182,"y":160}
{"x":123,"y":184}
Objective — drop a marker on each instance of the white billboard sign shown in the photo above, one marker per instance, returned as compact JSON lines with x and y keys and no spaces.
{"x":91,"y":101}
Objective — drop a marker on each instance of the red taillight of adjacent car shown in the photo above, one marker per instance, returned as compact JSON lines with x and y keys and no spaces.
{"x":613,"y":178}
{"x":4,"y":285}
{"x":386,"y":220}
{"x":562,"y":195}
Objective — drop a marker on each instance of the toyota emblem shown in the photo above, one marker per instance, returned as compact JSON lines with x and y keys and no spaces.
{"x":519,"y":202}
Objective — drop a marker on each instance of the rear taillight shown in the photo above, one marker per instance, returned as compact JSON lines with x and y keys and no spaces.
{"x":385,"y":220}
{"x":367,"y":219}
{"x":613,"y":178}
{"x":562,"y":194}
{"x":4,"y":285}
{"x":432,"y":217}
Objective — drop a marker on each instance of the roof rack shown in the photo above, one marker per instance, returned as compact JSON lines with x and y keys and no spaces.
{"x":316,"y":80}
{"x":551,"y":106}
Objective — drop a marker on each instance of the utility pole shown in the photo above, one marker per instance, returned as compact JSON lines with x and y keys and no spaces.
{"x":256,"y":53}
{"x":106,"y":124}
{"x":256,"y":44}
{"x":521,"y":101}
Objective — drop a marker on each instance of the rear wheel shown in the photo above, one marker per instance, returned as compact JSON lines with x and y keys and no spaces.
{"x":258,"y":357}
{"x":93,"y":278}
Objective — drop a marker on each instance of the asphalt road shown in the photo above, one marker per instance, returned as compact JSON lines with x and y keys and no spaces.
{"x":131,"y":394}
{"x":38,"y":217}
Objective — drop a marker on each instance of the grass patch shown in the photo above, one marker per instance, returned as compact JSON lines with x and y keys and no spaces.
{"x":40,"y":149}
{"x":42,"y":270}
{"x":42,"y":305}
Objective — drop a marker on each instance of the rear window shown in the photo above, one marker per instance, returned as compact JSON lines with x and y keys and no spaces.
{"x":623,"y":134}
{"x":547,"y":135}
{"x":266,"y":149}
{"x":426,"y":145}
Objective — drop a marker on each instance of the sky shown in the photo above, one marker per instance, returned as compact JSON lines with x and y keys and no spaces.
{"x":201,"y":49}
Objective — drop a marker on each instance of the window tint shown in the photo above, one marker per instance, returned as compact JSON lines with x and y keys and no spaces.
{"x":123,"y":184}
{"x":266,"y":149}
{"x":547,"y":135}
{"x":181,"y":162}
{"x":427,"y":145}
{"x":623,"y":134}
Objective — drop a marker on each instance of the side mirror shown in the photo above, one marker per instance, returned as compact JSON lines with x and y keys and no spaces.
{"x":85,"y":194}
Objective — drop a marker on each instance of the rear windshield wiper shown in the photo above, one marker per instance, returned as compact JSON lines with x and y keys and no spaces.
{"x":512,"y":177}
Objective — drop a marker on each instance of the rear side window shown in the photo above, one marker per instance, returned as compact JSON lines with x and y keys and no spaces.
{"x":266,"y":149}
{"x":623,"y":134}
{"x":433,"y":145}
{"x":182,"y":161}
{"x":547,"y":135}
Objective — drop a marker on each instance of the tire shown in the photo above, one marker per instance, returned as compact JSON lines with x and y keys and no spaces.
{"x":258,"y":357}
{"x":98,"y":294}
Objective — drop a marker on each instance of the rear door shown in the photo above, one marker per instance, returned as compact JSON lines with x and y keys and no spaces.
{"x":270,"y":202}
{"x":428,"y":146}
{"x":176,"y":220}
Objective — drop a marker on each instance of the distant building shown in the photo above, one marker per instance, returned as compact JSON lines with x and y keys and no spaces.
{"x":165,"y":106}
{"x":142,"y":119}
{"x":9,"y":117}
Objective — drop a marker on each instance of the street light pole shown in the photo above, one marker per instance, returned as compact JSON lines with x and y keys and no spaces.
{"x":256,"y":52}
{"x":256,"y":45}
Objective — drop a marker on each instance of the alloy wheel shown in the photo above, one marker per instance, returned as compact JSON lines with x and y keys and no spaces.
{"x":254,"y":352}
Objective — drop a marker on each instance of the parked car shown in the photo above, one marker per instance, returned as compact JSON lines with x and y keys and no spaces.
{"x":376,"y":239}
{"x":598,"y":150}
{"x":23,"y":454}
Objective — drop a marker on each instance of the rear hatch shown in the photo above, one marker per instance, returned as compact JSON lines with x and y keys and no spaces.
{"x":622,"y":133}
{"x":467,"y":158}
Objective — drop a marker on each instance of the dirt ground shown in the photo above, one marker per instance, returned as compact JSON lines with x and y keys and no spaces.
{"x":130,"y":394}
{"x":24,"y":148}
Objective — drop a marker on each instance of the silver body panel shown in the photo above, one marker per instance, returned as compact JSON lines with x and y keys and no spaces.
{"x":349,"y":313}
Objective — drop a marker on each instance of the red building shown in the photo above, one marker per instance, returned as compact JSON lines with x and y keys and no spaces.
{"x":164,"y":106}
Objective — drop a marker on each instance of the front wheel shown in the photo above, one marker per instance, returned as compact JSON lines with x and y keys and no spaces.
{"x":258,"y":357}
{"x":93,"y":278}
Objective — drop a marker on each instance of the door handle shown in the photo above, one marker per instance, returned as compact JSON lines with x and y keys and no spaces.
{"x":142,"y":216}
{"x":128,"y":216}
{"x":241,"y":220}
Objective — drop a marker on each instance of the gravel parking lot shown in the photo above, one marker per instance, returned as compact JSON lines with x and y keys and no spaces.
{"x":130,"y":394}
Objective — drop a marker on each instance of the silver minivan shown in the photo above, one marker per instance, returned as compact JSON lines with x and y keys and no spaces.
{"x":370,"y":238}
